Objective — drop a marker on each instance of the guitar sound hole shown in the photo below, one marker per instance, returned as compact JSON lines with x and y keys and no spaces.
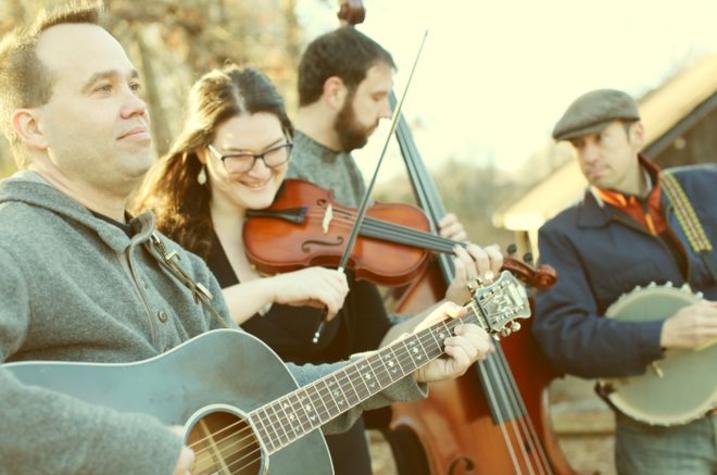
{"x":224,"y":444}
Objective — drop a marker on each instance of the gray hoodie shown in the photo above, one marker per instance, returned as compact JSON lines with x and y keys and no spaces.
{"x":74,"y":287}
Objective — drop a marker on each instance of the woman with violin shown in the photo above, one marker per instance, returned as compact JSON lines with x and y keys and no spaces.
{"x":232,"y":157}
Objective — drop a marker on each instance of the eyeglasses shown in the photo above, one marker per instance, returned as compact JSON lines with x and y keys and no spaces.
{"x":242,"y":162}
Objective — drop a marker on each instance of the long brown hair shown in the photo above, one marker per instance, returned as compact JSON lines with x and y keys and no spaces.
{"x":171,"y":189}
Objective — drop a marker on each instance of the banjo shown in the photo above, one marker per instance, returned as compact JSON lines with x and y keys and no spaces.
{"x":674,"y":390}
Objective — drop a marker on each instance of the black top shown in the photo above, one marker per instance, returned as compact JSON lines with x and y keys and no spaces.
{"x":359,"y":326}
{"x":288,"y":330}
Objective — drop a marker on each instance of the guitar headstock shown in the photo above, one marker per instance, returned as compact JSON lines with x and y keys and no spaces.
{"x":500,"y":304}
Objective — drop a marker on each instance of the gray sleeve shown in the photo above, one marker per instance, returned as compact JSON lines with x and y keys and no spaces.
{"x":407,"y":389}
{"x":57,"y":434}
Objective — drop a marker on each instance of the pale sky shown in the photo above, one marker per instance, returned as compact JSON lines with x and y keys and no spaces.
{"x":495,"y":76}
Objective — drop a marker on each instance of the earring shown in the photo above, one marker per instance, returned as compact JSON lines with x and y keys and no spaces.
{"x":202,"y":177}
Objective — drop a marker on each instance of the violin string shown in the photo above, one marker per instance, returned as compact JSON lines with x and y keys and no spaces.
{"x":398,"y":233}
{"x":525,"y":417}
{"x":401,"y":229}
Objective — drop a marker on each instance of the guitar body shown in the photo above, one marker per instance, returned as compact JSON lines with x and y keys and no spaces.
{"x":218,"y":369}
{"x":676,"y":389}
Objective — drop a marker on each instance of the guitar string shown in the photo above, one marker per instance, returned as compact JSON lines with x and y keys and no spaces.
{"x":225,"y":447}
{"x":403,"y":359}
{"x":425,"y":333}
{"x":421,"y":336}
{"x":418,"y":336}
{"x":254,"y":460}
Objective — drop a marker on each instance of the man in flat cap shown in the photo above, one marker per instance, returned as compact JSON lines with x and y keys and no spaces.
{"x":626,"y":233}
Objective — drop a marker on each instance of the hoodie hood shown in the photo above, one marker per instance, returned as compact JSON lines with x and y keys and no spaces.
{"x":31,"y":189}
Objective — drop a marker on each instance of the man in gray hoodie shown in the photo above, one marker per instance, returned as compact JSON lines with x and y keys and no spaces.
{"x":76,"y":280}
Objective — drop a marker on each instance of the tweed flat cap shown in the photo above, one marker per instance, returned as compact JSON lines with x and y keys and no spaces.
{"x":593,"y":111}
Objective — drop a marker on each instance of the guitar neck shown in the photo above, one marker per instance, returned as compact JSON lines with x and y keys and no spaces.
{"x":281,"y":422}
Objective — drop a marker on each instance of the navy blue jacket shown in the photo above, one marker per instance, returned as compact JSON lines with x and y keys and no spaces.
{"x":601,"y":253}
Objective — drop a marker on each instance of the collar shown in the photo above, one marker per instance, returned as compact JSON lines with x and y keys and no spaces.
{"x":126,"y":227}
{"x":594,"y":213}
{"x":651,"y":174}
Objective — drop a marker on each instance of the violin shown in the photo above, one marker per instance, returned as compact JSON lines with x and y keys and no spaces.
{"x":305,"y":227}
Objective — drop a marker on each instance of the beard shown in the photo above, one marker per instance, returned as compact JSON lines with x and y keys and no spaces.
{"x":350,"y":132}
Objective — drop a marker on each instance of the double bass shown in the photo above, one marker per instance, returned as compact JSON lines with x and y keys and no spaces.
{"x":489,"y":421}
{"x":492,"y":419}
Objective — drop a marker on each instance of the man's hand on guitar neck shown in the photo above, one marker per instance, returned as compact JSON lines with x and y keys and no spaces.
{"x":692,"y":327}
{"x":469,"y":344}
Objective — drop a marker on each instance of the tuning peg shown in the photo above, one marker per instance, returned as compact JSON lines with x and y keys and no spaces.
{"x":511,"y":249}
{"x":528,"y":257}
{"x":514,"y":326}
{"x":505,"y":331}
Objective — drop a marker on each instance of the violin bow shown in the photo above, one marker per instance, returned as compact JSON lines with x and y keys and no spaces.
{"x":364,"y":201}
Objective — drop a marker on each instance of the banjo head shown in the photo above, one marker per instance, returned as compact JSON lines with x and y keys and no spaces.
{"x":680,"y":387}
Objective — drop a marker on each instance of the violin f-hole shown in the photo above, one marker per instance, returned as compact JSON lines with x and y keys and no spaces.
{"x":306,"y":245}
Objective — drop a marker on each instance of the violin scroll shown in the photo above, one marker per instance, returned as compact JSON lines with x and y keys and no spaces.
{"x":542,"y":277}
{"x":352,"y":12}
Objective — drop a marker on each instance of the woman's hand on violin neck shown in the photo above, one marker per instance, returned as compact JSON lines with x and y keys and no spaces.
{"x":472,"y":263}
{"x":313,"y":286}
{"x":469,"y":344}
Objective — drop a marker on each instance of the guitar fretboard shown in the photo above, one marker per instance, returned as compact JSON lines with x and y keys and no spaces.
{"x":294,"y":415}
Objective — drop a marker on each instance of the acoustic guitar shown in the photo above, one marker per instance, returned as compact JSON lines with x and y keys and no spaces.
{"x":241,"y":409}
{"x":680,"y":387}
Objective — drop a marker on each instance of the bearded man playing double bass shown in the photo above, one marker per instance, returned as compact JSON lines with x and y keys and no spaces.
{"x":625,"y":233}
{"x":344,"y":83}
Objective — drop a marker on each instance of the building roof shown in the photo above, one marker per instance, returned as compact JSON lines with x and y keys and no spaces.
{"x":661,"y":111}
